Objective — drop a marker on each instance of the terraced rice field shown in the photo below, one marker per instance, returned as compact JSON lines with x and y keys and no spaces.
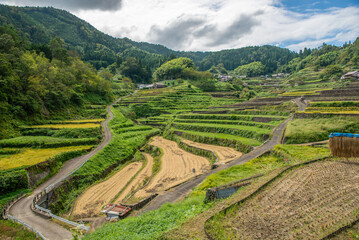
{"x":177,"y":166}
{"x":98,"y":120}
{"x":142,"y":177}
{"x":32,"y":156}
{"x":91,"y":202}
{"x":224,"y":154}
{"x":307,"y":203}
{"x":59,"y":126}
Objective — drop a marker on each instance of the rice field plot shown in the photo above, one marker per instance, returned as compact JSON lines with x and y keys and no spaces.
{"x":91,"y":202}
{"x":224,"y":154}
{"x":255,"y":118}
{"x":98,"y":120}
{"x":142,"y":177}
{"x":68,"y":125}
{"x":244,"y":140}
{"x":226,"y":122}
{"x":45,"y":141}
{"x":31,"y":156}
{"x":177,"y":166}
{"x":307,"y":203}
{"x":259,"y":134}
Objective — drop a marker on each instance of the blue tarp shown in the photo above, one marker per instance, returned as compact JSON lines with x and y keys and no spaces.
{"x":351,"y":135}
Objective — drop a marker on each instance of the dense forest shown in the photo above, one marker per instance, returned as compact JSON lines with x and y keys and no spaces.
{"x":40,"y":25}
{"x":270,"y":56}
{"x":35,"y":85}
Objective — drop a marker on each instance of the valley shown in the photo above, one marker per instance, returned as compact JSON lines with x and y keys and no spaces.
{"x":109,"y":138}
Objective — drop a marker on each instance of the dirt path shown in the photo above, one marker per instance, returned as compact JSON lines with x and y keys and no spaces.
{"x":177,"y":166}
{"x":301,"y":104}
{"x":182,"y":190}
{"x":139,"y":180}
{"x":314,"y":143}
{"x":91,"y":202}
{"x":224,"y":154}
{"x":21,"y":210}
{"x":307,"y":203}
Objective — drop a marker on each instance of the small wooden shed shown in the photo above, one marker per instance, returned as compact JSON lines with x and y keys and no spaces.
{"x":114,"y":211}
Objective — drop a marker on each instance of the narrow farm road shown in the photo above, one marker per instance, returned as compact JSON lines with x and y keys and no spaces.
{"x":52,"y":231}
{"x":300,"y":104}
{"x":182,"y":190}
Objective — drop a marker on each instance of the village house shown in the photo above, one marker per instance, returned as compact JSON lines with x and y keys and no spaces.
{"x":151,"y":86}
{"x":351,"y":75}
{"x":224,"y":78}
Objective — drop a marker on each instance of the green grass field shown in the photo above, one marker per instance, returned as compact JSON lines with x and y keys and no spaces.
{"x":318,"y":129}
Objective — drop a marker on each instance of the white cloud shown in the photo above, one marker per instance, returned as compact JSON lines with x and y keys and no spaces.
{"x":222,"y":24}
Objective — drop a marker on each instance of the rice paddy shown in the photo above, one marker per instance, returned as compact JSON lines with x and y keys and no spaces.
{"x":31,"y":156}
{"x":59,"y":126}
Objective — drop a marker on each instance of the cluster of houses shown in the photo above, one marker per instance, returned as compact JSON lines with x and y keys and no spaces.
{"x":152,"y":86}
{"x":224,"y":78}
{"x":351,"y":75}
{"x":280,"y":75}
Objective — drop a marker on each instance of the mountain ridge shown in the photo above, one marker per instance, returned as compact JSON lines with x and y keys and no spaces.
{"x":40,"y":24}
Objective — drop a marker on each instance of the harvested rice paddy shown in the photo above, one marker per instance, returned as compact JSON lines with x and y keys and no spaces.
{"x":307,"y":203}
{"x":224,"y":154}
{"x":177,"y":166}
{"x":91,"y":202}
{"x":138,"y":181}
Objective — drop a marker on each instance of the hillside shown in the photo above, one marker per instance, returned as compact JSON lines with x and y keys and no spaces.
{"x":40,"y":25}
{"x":34,"y":87}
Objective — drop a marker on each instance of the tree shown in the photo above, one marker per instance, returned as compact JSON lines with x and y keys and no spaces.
{"x":173,"y":68}
{"x":251,"y":70}
{"x":132,"y":68}
{"x":58,"y":50}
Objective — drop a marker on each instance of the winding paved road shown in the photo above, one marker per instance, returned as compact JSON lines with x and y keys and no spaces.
{"x":21,"y":210}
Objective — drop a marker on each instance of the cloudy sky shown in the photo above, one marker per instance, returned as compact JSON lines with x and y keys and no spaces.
{"x":204,"y":25}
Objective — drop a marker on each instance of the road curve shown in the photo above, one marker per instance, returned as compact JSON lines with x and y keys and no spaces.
{"x":182,"y":190}
{"x":52,"y":231}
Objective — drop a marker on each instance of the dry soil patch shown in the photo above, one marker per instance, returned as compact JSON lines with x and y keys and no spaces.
{"x":139,"y":180}
{"x":90,"y":203}
{"x":224,"y":154}
{"x":177,"y":166}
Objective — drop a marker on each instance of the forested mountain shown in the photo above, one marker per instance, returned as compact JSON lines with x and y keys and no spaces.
{"x":270,"y":56}
{"x":40,"y":25}
{"x":326,"y":62}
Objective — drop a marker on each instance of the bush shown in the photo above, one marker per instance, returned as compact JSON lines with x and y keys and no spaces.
{"x":13,"y":180}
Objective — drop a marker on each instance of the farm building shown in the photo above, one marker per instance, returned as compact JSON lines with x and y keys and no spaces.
{"x":344,"y":144}
{"x":114,"y":211}
{"x":151,"y":86}
{"x":351,"y":75}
